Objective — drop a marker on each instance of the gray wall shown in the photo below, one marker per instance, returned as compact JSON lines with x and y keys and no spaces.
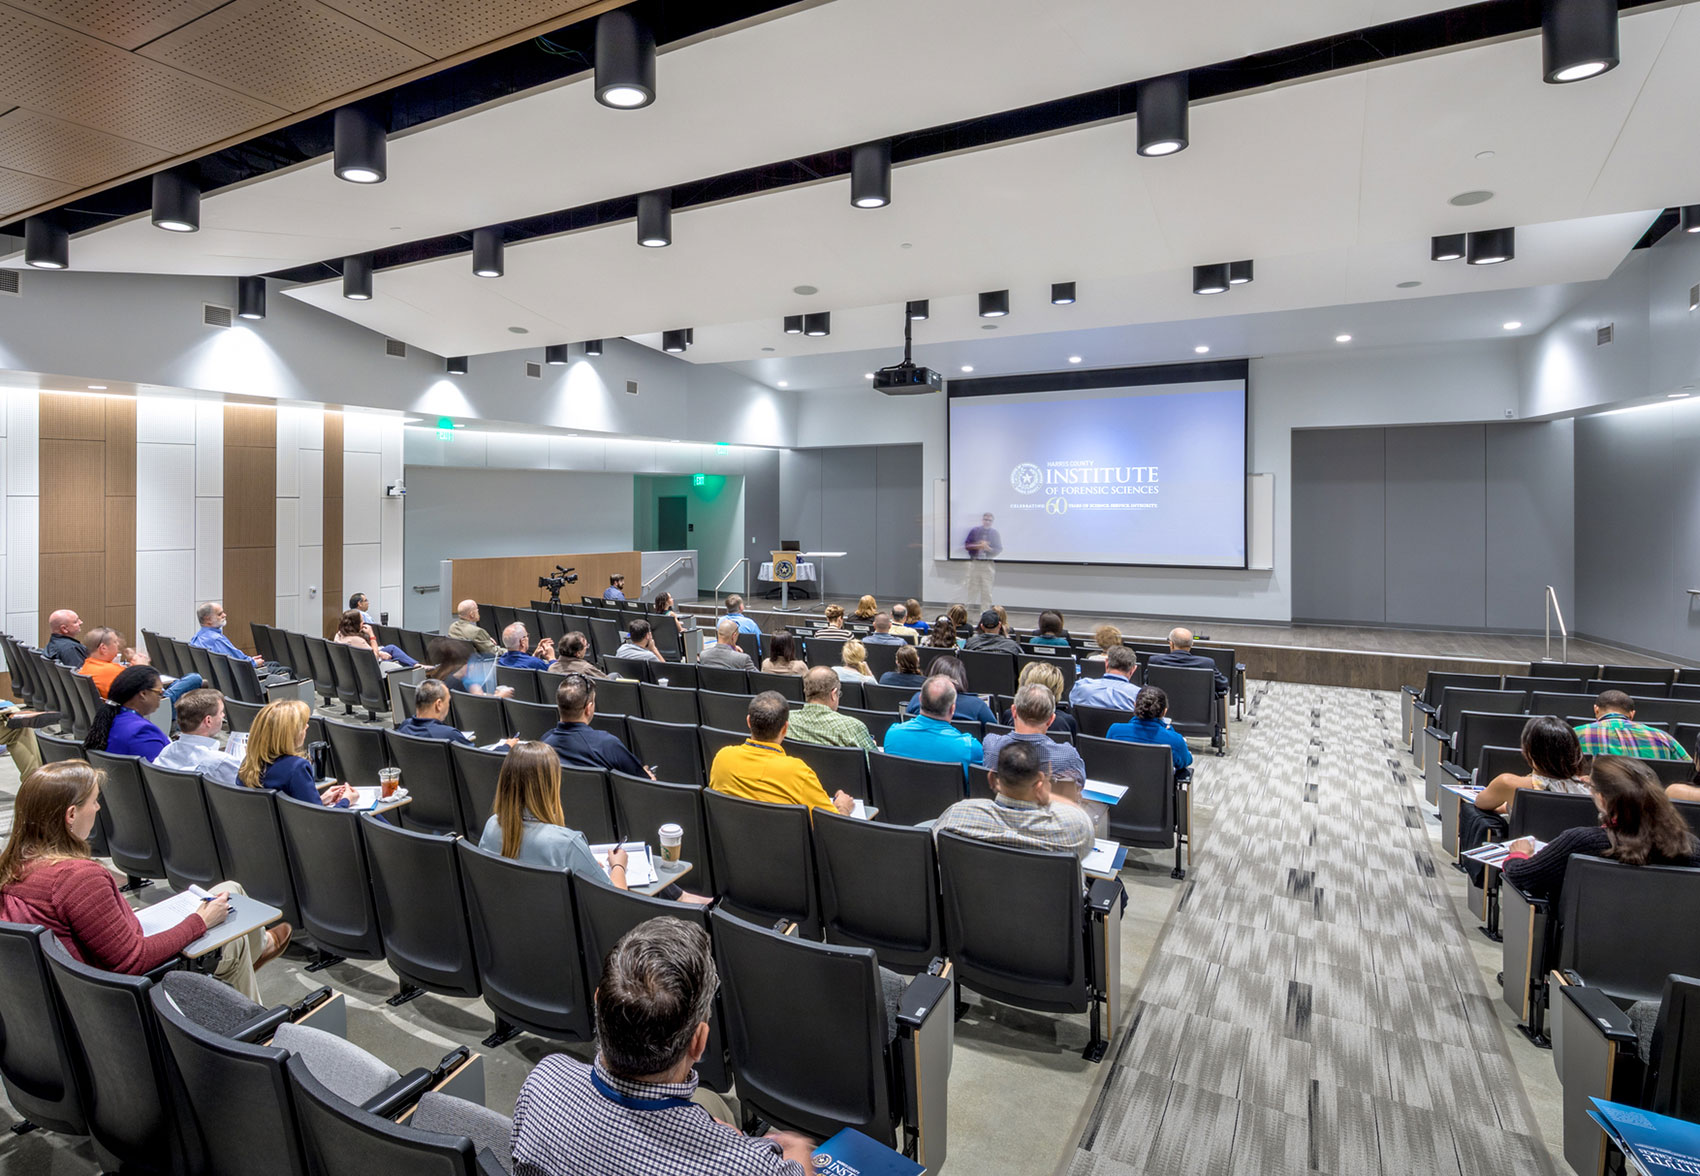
{"x":1447,"y":527}
{"x":865,"y":501}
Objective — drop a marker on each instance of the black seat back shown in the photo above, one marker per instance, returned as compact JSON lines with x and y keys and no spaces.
{"x":878,"y":722}
{"x":723,"y":680}
{"x":1192,"y":696}
{"x":768,"y":982}
{"x":881,"y":698}
{"x":240,"y":715}
{"x":843,"y":768}
{"x":476,"y":773}
{"x":1097,"y":720}
{"x":1439,"y":680}
{"x":300,"y":661}
{"x":521,"y":681}
{"x":1544,"y":815}
{"x":764,"y":860}
{"x":668,"y":704}
{"x":1013,"y":923}
{"x":908,"y":791}
{"x":428,"y":775}
{"x":327,"y":857}
{"x":1668,"y":711}
{"x":725,"y":711}
{"x":369,"y":678}
{"x":1496,"y":761}
{"x":248,"y":834}
{"x":55,"y":748}
{"x":324,"y":670}
{"x":1066,"y":666}
{"x":525,"y":938}
{"x":1635,"y":689}
{"x":1577,"y":672}
{"x":824,"y":651}
{"x":671,"y":749}
{"x":1479,"y":729}
{"x":1457,"y":699}
{"x":879,"y":888}
{"x":1560,"y":705}
{"x":340,"y":1139}
{"x":132,"y":839}
{"x":531,"y":721}
{"x":1673,"y":1071}
{"x":631,"y":669}
{"x":586,"y":805}
{"x":36,"y":1054}
{"x":358,"y":751}
{"x":642,"y":806}
{"x":1639,"y":674}
{"x":480,"y":714}
{"x":1625,"y":927}
{"x":421,"y":908}
{"x":787,"y":686}
{"x":1145,"y":815}
{"x":188,"y":852}
{"x":714,"y":740}
{"x":989,"y":672}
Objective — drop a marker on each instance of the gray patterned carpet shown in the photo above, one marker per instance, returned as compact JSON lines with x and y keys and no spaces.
{"x":1313,"y":1006}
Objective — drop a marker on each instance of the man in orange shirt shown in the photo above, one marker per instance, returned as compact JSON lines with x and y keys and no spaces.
{"x":108,"y":658}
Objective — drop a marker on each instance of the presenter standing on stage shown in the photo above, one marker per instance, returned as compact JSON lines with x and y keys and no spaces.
{"x":983,"y":545}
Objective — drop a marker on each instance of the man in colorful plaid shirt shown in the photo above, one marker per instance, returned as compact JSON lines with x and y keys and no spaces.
{"x":1614,"y":731}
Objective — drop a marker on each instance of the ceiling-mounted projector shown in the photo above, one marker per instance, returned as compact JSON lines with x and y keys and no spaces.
{"x":906,"y":378}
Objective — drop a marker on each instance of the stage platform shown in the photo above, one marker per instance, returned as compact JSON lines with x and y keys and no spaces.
{"x":1324,"y":655}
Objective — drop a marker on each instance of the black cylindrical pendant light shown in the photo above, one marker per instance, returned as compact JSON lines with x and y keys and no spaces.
{"x":1210,"y":279}
{"x":1691,"y":218}
{"x":176,"y":202}
{"x":674,"y":341}
{"x":1239,"y":272}
{"x":625,"y":60}
{"x":47,"y":244}
{"x":1161,"y":114}
{"x":555,"y":354}
{"x":793,"y":324}
{"x":1578,"y":39}
{"x":817,"y":325}
{"x":360,"y":151}
{"x":994,"y":303}
{"x":593,"y":347}
{"x":455,"y":365}
{"x":251,"y":297}
{"x":1446,"y":247}
{"x":357,"y":277}
{"x":655,"y":219}
{"x":1490,"y":246}
{"x":1062,"y":293}
{"x":917,"y":309}
{"x":870,"y":174}
{"x":487,"y":252}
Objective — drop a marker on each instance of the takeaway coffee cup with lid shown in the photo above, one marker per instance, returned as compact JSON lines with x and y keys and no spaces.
{"x":671,"y":837}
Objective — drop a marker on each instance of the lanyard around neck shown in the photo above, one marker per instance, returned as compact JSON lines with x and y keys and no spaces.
{"x":632,"y":1102}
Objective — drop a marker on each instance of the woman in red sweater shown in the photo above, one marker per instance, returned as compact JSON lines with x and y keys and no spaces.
{"x":48,"y":877}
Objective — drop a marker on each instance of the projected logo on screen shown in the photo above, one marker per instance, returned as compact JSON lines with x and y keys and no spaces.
{"x":1085,"y":485}
{"x":1027,"y":478}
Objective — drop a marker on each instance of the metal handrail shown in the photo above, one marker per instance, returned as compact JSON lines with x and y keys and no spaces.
{"x":683,"y":559}
{"x":1563,"y":633}
{"x":726,"y":577}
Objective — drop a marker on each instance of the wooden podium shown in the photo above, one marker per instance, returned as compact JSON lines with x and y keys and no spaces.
{"x":785,"y":575}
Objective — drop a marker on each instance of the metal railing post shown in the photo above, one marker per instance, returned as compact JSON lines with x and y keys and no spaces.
{"x":726,"y":577}
{"x":1552,"y":610}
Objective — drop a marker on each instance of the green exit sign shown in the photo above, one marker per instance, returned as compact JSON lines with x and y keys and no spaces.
{"x":699,"y":479}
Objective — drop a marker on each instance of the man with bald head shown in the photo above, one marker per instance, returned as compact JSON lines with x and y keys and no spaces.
{"x":465,"y":627}
{"x":1181,"y":654}
{"x":516,"y":639}
{"x":724,"y":653}
{"x":63,"y":646}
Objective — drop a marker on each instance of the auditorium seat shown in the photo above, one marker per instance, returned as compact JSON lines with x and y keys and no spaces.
{"x":427,"y":773}
{"x":523,"y":683}
{"x":324,"y":670}
{"x":630,"y":669}
{"x":787,"y":686}
{"x":476,"y":773}
{"x":358,"y":751}
{"x":36,"y":1049}
{"x":879,"y":888}
{"x":421,"y":909}
{"x":722,"y":680}
{"x":1146,"y":816}
{"x":989,"y":672}
{"x":843,"y":768}
{"x":239,"y":715}
{"x":1562,"y":704}
{"x":908,"y":791}
{"x":249,"y":836}
{"x":369,"y":675}
{"x":882,"y":658}
{"x":408,"y":692}
{"x":132,"y":838}
{"x":779,"y":881}
{"x":642,"y":806}
{"x":327,"y":859}
{"x":672,"y":750}
{"x":853,"y":694}
{"x":529,"y":720}
{"x":1097,"y":720}
{"x":187,"y":850}
{"x":878,"y":722}
{"x":1634,"y":688}
{"x":55,"y":748}
{"x":827,"y":651}
{"x":480,"y":715}
{"x":728,"y":712}
{"x":668,"y":704}
{"x":1641,"y":674}
{"x":1066,"y":666}
{"x":1195,"y":709}
{"x":342,"y":669}
{"x":585,"y":804}
{"x":884,"y":698}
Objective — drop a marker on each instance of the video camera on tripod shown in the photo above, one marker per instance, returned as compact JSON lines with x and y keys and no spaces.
{"x":561,"y":578}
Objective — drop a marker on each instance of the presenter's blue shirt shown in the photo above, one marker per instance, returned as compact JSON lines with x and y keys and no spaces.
{"x":513,"y":659}
{"x":134,"y":735}
{"x":214,"y":641}
{"x":926,"y":738}
{"x":1153,"y":731}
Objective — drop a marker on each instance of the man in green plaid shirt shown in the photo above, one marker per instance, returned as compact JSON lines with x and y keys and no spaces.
{"x":819,"y":720}
{"x":1614,"y":731}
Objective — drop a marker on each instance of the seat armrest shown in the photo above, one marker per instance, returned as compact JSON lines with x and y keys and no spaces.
{"x":310,"y":1002}
{"x":926,"y":1040}
{"x":261,"y":1025}
{"x":1104,"y":897}
{"x":401,"y":1095}
{"x":1435,"y":733}
{"x":1461,"y":775}
{"x":1602,"y":1012}
{"x":1538,"y":904}
{"x":1421,"y":707}
{"x":923,"y":995}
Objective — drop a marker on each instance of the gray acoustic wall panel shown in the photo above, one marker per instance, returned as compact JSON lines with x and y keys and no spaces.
{"x":898,"y":506}
{"x":865,"y":501}
{"x":1339,"y":525}
{"x":1531,"y":494}
{"x":1436,"y":527}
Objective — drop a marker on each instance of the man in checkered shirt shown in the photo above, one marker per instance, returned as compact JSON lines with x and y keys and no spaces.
{"x":630,"y":1113}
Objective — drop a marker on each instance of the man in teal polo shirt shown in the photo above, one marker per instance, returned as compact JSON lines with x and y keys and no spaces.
{"x":929,"y":735}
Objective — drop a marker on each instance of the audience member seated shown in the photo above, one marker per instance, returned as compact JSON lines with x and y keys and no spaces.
{"x":1051,"y":630}
{"x":958,"y":614}
{"x":865,"y":610}
{"x":640,"y":642}
{"x":1115,"y":690}
{"x":882,"y":634}
{"x":122,"y":727}
{"x":353,"y":631}
{"x":48,"y":877}
{"x":360,"y":604}
{"x":759,"y":768}
{"x":900,"y":626}
{"x":664,"y":606}
{"x":782,"y":657}
{"x":1689,"y":791}
{"x":942,"y":635}
{"x":1181,"y":654}
{"x":724,"y":653}
{"x":969,"y":705}
{"x":908,"y":671}
{"x":1614,"y":731}
{"x":210,"y":636}
{"x":989,"y":638}
{"x":616,"y":589}
{"x":930,"y":735}
{"x":430,"y":710}
{"x":63,"y":646}
{"x":572,"y":660}
{"x":1554,"y":755}
{"x":819,"y":720}
{"x":1638,"y":827}
{"x":108,"y":657}
{"x":1148,"y":725}
{"x":465,"y":627}
{"x":274,"y":758}
{"x":20,"y":741}
{"x":834,"y":620}
{"x":576,"y":742}
{"x":629,"y":1112}
{"x":1021,"y":812}
{"x":735,"y":613}
{"x":1051,"y":679}
{"x":853,"y":663}
{"x":453,"y":665}
{"x":516,"y":641}
{"x":1034,"y":710}
{"x":1106,"y":638}
{"x":912,"y":616}
{"x":200,"y":717}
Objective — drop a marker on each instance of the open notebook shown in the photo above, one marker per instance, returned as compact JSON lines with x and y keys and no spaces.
{"x":640,"y":871}
{"x":163,"y":916}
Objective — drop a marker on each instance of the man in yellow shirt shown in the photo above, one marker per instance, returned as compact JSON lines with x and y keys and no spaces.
{"x":759,"y":769}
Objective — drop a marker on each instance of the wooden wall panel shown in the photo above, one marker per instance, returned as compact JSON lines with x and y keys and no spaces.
{"x":331,"y":596}
{"x":512,"y":579}
{"x":250,"y":519}
{"x":87,"y":458}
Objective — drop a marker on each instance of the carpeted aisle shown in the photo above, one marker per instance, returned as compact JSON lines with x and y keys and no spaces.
{"x":1313,"y":1006}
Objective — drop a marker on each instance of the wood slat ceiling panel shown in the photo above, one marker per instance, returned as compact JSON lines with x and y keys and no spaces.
{"x":21,"y":190}
{"x":443,"y":27}
{"x":42,"y":145}
{"x":128,"y":25}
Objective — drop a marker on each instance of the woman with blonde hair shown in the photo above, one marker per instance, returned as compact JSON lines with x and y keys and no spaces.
{"x":47,"y":876}
{"x":834,"y":620}
{"x":1051,"y":679}
{"x":865,"y":610}
{"x":854,"y":664}
{"x":1107,"y":638}
{"x":273,"y":758}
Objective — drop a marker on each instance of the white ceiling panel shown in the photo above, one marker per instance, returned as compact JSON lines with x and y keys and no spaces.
{"x":820,"y":78}
{"x":1656,"y":147}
